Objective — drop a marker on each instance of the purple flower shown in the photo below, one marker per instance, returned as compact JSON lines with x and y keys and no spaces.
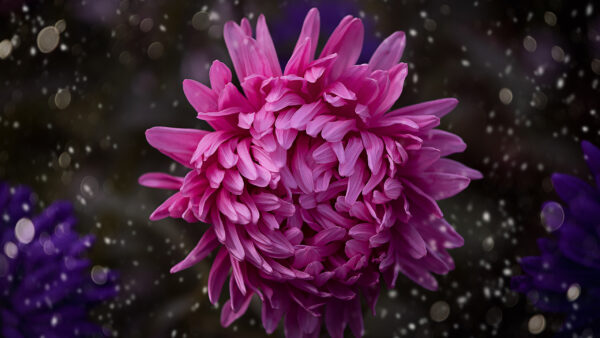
{"x":565,"y":278}
{"x":313,"y":185}
{"x":45,"y":285}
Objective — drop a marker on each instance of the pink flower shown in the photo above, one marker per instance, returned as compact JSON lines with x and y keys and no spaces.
{"x":314,"y":189}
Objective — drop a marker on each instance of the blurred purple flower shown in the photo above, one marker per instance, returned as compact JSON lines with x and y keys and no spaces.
{"x":45,"y":283}
{"x":565,"y":278}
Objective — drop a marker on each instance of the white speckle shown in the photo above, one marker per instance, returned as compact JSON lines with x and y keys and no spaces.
{"x":54,"y":321}
{"x":11,"y":250}
{"x":25,"y":230}
{"x":486,"y":216}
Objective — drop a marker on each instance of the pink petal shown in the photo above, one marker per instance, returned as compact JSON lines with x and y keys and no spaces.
{"x":392,"y":188}
{"x":420,"y":198}
{"x":204,"y":201}
{"x":231,"y":97}
{"x":245,"y":120}
{"x":452,"y":167}
{"x":279,"y":157}
{"x":219,"y":272}
{"x":266,"y":201}
{"x":227,"y":158}
{"x":208,"y":145}
{"x":271,"y":317}
{"x":300,"y":168}
{"x":264,"y":159}
{"x":178,"y":144}
{"x":239,"y":273}
{"x":421,"y":160}
{"x":336,"y":130}
{"x":353,"y":150}
{"x":245,"y":164}
{"x":346,"y":41}
{"x":207,"y":243}
{"x":324,"y":154}
{"x":388,"y":53}
{"x":252,"y":89}
{"x":220,"y":75}
{"x":267,"y":142}
{"x":374,"y":180}
{"x":356,"y":247}
{"x":228,"y":316}
{"x":328,"y":235}
{"x":294,"y":235}
{"x":446,"y":142}
{"x":263,"y":120}
{"x":218,"y":225}
{"x":354,"y":316}
{"x":265,"y":44}
{"x":202,"y":98}
{"x":300,"y":58}
{"x":437,"y":108}
{"x":327,"y":211}
{"x":411,"y":241}
{"x":163,"y":210}
{"x":214,"y":175}
{"x":307,"y":322}
{"x":233,"y":182}
{"x":263,"y":177}
{"x":355,"y":183}
{"x":310,"y":29}
{"x":305,"y":255}
{"x":362,"y":231}
{"x":374,"y":149}
{"x":246,"y":27}
{"x":160,"y":181}
{"x":233,"y":242}
{"x":286,"y":137}
{"x":340,"y":90}
{"x":235,"y":39}
{"x":305,"y":114}
{"x":255,"y":214}
{"x":334,"y":319}
{"x":397,"y":74}
{"x":225,"y":205}
{"x":441,"y":185}
{"x":287,"y":100}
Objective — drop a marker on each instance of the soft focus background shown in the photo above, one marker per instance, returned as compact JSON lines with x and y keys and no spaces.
{"x":81,"y":80}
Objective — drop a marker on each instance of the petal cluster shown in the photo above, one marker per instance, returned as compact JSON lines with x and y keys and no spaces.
{"x":565,"y":278}
{"x":314,"y":188}
{"x":45,"y":285}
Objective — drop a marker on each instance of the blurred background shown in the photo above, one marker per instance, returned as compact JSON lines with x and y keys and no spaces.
{"x":80,"y":82}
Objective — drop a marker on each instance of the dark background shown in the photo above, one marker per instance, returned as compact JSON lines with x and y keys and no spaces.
{"x":526,"y":74}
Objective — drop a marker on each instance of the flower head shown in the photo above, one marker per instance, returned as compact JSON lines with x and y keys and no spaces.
{"x":45,"y":284}
{"x":565,"y":277}
{"x":312,"y":186}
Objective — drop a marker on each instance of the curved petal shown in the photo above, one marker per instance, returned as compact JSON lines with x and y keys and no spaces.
{"x":310,"y":29}
{"x":345,"y":41}
{"x":179,"y":144}
{"x":202,"y":98}
{"x":160,"y":181}
{"x":265,"y":43}
{"x":388,"y":53}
